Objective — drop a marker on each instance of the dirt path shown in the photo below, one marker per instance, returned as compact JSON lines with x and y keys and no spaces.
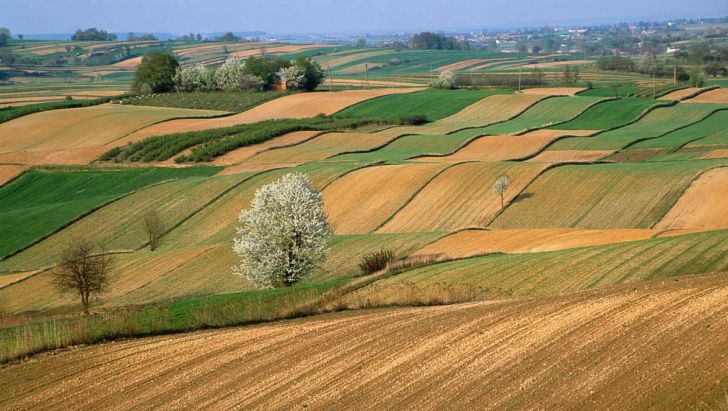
{"x":658,"y":345}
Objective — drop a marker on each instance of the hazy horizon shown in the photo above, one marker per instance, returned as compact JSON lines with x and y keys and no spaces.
{"x":329,"y":16}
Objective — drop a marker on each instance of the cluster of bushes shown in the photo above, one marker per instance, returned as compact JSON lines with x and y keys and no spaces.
{"x":93,"y":34}
{"x":435,"y":41}
{"x":254,"y":74}
{"x":208,"y":144}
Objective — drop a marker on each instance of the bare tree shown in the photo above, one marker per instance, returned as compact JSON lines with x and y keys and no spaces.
{"x":154,"y":227}
{"x":500,"y":187}
{"x":83,"y":272}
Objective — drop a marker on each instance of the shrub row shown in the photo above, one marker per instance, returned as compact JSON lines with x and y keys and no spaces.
{"x":212,"y":143}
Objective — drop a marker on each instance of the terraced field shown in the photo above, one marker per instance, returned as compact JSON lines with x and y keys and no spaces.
{"x":460,"y":197}
{"x":362,"y":200}
{"x":546,"y":113}
{"x":38,"y":203}
{"x":640,"y":346}
{"x":719,"y":96}
{"x":83,"y":127}
{"x":601,"y":196}
{"x":655,"y":124}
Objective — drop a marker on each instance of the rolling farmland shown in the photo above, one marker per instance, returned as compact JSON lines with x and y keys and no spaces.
{"x":601,"y":196}
{"x":37,"y":203}
{"x":655,"y":124}
{"x":451,"y":356}
{"x":457,"y":199}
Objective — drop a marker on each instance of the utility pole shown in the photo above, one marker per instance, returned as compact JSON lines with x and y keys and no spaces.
{"x":366,"y":75}
{"x":520,"y":70}
{"x":654,"y":85}
{"x":674,"y":76}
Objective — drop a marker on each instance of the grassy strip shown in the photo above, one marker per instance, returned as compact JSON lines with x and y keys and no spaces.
{"x":214,"y":100}
{"x":209,"y":144}
{"x":22,"y":337}
{"x":607,"y":114}
{"x":10,"y":113}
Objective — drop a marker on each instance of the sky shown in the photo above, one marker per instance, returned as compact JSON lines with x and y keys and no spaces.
{"x":333,"y":16}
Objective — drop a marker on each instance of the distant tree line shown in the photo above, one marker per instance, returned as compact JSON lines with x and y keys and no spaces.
{"x":141,"y":37}
{"x":435,"y":41}
{"x":452,"y":80}
{"x":93,"y":34}
{"x":5,"y":36}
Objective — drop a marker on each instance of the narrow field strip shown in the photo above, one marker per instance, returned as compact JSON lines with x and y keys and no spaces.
{"x":469,"y":243}
{"x":704,"y":205}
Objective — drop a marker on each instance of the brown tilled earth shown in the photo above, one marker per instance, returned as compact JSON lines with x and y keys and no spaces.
{"x":10,"y":171}
{"x":703,"y":206}
{"x":658,"y":345}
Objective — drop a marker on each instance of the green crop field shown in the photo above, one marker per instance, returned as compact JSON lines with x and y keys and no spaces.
{"x":433,"y":104}
{"x":41,"y":201}
{"x":655,"y":124}
{"x":712,"y":130}
{"x":608,"y":114}
{"x":572,"y":270}
{"x":601,"y":196}
{"x":547,"y":112}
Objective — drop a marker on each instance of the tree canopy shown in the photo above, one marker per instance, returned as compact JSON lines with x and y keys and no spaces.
{"x":155,"y":73}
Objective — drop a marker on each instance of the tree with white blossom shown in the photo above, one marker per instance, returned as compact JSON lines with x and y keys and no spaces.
{"x":282,"y":236}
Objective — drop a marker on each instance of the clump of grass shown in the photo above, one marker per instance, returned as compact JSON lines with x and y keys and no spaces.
{"x":413,"y":120}
{"x":376,"y":261}
{"x":409,"y":294}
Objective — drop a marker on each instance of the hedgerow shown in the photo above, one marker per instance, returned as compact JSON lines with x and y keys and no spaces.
{"x":208,"y":144}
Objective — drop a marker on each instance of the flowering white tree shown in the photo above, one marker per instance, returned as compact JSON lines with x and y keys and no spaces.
{"x":293,"y":77}
{"x":283,"y":234}
{"x":195,"y":78}
{"x":447,"y":79}
{"x":227,"y":76}
{"x":500,"y":187}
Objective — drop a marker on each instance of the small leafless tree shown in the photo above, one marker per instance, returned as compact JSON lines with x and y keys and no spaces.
{"x":83,"y":272}
{"x":154,"y":227}
{"x":500,"y":187}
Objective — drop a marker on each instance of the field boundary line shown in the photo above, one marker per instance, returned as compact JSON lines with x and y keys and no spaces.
{"x":15,"y":178}
{"x":415,"y":193}
{"x":273,"y":148}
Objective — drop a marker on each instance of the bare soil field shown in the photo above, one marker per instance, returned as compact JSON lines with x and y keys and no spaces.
{"x":477,"y":242}
{"x":653,"y":345}
{"x":276,"y":50}
{"x":299,"y":105}
{"x":719,"y":95}
{"x":10,"y":171}
{"x":719,"y":153}
{"x":703,"y":206}
{"x":129,"y":63}
{"x":570,"y":156}
{"x":680,"y":94}
{"x":553,"y":91}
